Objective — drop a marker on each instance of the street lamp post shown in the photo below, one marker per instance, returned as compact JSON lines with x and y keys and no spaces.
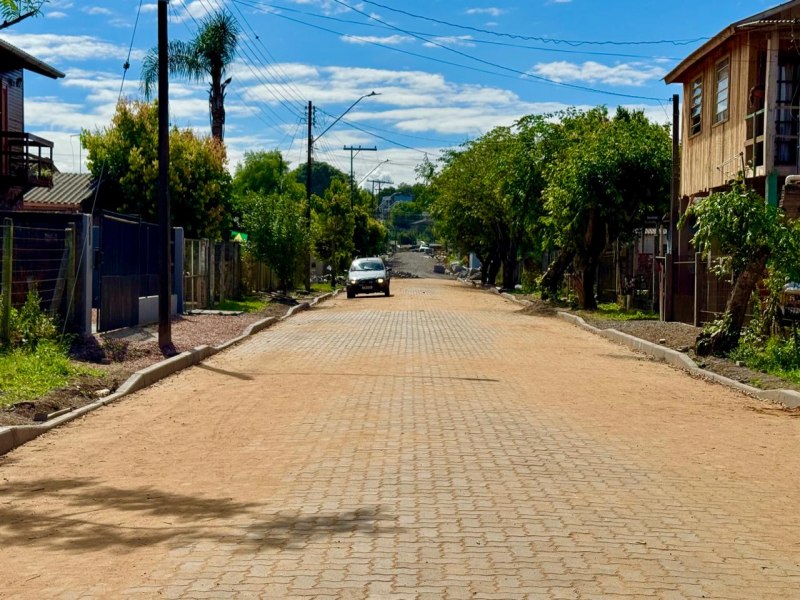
{"x":311,"y":141}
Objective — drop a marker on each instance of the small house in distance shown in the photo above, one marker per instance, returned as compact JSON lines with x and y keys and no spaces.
{"x":741,"y":108}
{"x":26,"y":160}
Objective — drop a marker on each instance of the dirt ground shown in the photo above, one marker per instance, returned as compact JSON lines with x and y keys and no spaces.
{"x":118,"y":354}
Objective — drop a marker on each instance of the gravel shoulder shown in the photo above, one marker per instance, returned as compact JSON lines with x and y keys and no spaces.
{"x":678,"y":336}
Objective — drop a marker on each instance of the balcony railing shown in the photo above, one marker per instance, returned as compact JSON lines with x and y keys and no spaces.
{"x":787,"y":137}
{"x":26,"y":160}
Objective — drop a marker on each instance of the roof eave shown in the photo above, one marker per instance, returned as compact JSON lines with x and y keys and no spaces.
{"x":31,"y":63}
{"x":731,"y":30}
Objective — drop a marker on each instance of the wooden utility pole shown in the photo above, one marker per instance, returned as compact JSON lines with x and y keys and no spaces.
{"x":669,"y":261}
{"x":165,"y":270}
{"x":308,"y":193}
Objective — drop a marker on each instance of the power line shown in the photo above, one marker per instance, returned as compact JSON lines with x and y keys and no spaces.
{"x":538,"y":38}
{"x":496,"y":65}
{"x":527,"y":77}
{"x":256,"y":4}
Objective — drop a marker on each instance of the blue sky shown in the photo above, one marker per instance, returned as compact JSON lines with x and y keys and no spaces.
{"x":446,"y":70}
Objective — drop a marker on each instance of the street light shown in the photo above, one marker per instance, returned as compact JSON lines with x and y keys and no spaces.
{"x":311,"y":140}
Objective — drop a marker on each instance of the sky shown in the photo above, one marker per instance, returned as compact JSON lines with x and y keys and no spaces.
{"x":446,"y":71}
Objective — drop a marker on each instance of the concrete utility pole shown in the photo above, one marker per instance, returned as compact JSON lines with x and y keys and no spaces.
{"x":308,"y":192}
{"x":165,"y":279}
{"x":353,"y":151}
{"x":376,"y":200}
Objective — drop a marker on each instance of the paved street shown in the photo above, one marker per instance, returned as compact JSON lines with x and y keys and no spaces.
{"x":435,"y":444}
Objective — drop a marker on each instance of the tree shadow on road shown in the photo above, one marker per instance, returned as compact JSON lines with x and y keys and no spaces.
{"x":83,"y":515}
{"x":284,"y":530}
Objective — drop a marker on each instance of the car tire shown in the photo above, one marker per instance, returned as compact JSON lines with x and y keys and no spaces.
{"x":351,"y":294}
{"x":386,"y":292}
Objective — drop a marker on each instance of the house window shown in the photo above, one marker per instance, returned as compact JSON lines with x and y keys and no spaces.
{"x":696,"y":106}
{"x":723,"y":85}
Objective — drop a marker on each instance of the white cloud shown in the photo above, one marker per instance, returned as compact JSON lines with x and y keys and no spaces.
{"x":451,"y":40}
{"x":391,"y":40}
{"x":492,"y":11}
{"x":97,"y":10}
{"x":631,"y":74}
{"x":56,"y":14}
{"x":56,"y":48}
{"x":186,"y":10}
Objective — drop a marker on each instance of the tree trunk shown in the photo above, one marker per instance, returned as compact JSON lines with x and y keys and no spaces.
{"x":510,"y":266}
{"x":726,"y":338}
{"x":552,"y":278}
{"x":216,"y":105}
{"x":492,"y":269}
{"x":585,"y":279}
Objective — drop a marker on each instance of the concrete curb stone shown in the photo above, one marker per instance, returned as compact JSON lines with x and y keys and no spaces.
{"x":788,"y":398}
{"x":14,"y":436}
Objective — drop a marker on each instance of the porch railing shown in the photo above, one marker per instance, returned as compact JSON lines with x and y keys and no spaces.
{"x":26,"y":160}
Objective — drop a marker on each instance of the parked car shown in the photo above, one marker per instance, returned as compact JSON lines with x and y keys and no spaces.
{"x":367,"y":276}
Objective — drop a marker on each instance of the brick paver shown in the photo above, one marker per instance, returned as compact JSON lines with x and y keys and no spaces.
{"x":436,"y":444}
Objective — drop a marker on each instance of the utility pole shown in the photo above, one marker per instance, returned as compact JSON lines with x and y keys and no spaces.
{"x":669,"y":275}
{"x":353,"y":151}
{"x":379,"y":183}
{"x":165,"y":279}
{"x":308,"y":193}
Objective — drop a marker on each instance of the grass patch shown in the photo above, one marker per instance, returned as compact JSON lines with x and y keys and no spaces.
{"x":25,"y":375}
{"x":777,"y":357}
{"x":614,"y":312}
{"x":248,"y":304}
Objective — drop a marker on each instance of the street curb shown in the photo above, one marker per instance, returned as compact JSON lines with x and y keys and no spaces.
{"x":15,"y":436}
{"x":788,"y":398}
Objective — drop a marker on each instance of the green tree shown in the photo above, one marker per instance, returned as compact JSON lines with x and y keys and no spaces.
{"x":14,"y":11}
{"x":369,"y":235}
{"x":124,"y":158}
{"x":263,"y":173}
{"x":210,"y":54}
{"x":322,"y":175}
{"x":277,"y":233}
{"x":333,"y":225}
{"x":753,"y":237}
{"x":603,"y":186}
{"x":487,"y":197}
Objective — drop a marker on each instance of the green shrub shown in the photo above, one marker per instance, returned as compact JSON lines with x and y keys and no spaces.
{"x":29,"y":325}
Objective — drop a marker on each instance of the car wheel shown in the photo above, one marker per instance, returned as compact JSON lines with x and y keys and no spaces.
{"x":351,"y":294}
{"x":386,"y":291}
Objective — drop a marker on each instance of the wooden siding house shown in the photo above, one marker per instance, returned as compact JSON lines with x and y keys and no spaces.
{"x":741,"y":105}
{"x":26,"y":161}
{"x":741,"y":114}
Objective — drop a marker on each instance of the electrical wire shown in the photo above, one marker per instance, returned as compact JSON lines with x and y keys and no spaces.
{"x":539,"y":38}
{"x":257,"y":4}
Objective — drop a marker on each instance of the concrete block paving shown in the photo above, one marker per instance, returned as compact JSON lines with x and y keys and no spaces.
{"x":435,"y":444}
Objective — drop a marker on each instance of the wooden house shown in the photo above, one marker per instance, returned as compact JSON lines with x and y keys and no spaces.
{"x":741,"y":105}
{"x":26,"y":160}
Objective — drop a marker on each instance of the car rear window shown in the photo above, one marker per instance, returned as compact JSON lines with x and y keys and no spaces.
{"x":367,"y":266}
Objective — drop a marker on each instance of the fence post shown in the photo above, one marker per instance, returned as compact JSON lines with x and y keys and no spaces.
{"x":697,"y":289}
{"x":69,"y":247}
{"x":8,"y":249}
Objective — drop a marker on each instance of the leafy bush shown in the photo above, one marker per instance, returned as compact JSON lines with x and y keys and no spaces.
{"x":29,"y":325}
{"x":775,"y":355}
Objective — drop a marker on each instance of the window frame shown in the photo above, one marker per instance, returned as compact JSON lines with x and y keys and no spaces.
{"x":724,"y":115}
{"x":696,"y":83}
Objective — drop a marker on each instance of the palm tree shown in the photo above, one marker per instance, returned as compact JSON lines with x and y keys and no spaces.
{"x":207,"y":55}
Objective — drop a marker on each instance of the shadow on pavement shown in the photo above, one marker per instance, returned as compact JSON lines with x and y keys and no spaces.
{"x":295,"y":531}
{"x":90,"y":519}
{"x":82,"y":515}
{"x":241,"y":376}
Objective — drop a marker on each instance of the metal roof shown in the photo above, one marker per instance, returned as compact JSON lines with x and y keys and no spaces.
{"x":762,"y":18}
{"x":12,"y":57}
{"x":69,"y":192}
